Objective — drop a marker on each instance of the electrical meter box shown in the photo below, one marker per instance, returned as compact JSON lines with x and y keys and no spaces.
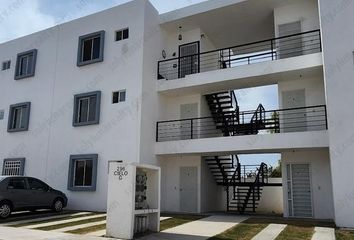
{"x":133,"y":203}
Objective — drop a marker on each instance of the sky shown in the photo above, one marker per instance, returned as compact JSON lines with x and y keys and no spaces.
{"x":22,"y":17}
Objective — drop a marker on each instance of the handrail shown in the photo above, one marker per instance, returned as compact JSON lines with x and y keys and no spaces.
{"x":265,"y":50}
{"x":244,"y":112}
{"x":312,"y":118}
{"x":242,"y":45}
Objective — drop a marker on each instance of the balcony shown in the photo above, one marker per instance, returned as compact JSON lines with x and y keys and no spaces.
{"x":260,"y":121}
{"x":246,"y":54}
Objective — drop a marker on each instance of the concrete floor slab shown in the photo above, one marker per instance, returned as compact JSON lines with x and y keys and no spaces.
{"x":322,"y":233}
{"x":198,"y":230}
{"x":270,"y":232}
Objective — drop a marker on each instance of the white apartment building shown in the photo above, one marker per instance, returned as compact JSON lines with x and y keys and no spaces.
{"x":129,"y":84}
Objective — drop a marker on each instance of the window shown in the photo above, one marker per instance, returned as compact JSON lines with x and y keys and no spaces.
{"x":19,"y":117}
{"x":83,"y":172}
{"x":17,"y":183}
{"x":87,"y":109}
{"x":13,"y":167}
{"x":2,"y":114}
{"x":91,"y":48}
{"x":122,"y":34}
{"x":26,"y":64}
{"x":6,"y":65}
{"x":119,"y":96}
{"x":35,"y":184}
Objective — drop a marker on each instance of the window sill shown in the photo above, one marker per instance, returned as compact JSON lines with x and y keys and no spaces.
{"x":82,"y":189}
{"x":17,"y":130}
{"x":24,"y":76}
{"x":86,"y":123}
{"x":80,"y":64}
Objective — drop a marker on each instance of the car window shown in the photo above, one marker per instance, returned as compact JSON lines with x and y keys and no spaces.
{"x":17,"y":183}
{"x":35,"y":184}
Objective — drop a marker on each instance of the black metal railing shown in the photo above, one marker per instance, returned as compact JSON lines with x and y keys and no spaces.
{"x":261,"y":51}
{"x":260,"y":121}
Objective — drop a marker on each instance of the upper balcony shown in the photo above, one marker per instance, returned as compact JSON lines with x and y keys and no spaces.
{"x":283,"y":47}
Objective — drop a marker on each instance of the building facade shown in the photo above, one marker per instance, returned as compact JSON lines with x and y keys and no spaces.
{"x":159,"y":89}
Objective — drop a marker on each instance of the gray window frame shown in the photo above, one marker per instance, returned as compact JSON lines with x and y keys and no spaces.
{"x":80,"y":62}
{"x":73,"y":159}
{"x":22,"y":168}
{"x":11,"y":115}
{"x":77,"y":98}
{"x":33,"y":69}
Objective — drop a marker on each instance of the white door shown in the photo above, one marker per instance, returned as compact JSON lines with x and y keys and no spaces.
{"x":299,"y":190}
{"x":293,"y":120}
{"x":189,"y":59}
{"x":189,"y":189}
{"x":188,"y":111}
{"x":290,"y":46}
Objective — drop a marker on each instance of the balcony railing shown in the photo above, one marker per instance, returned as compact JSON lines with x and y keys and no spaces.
{"x":261,"y":51}
{"x":303,"y":119}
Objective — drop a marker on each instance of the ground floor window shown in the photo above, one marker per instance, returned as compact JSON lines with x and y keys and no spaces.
{"x":13,"y":167}
{"x":83,"y":172}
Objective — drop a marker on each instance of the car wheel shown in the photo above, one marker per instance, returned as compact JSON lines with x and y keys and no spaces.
{"x":58,"y":205}
{"x":5,"y":210}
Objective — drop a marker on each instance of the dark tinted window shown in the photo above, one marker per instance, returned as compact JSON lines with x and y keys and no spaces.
{"x":83,"y":173}
{"x":35,"y":184}
{"x":17,"y":183}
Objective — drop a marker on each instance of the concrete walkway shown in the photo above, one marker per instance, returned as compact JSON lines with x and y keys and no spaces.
{"x":198,"y":230}
{"x":71,"y":220}
{"x":40,"y":219}
{"x":81,"y":226}
{"x":270,"y":232}
{"x":9,"y":233}
{"x":322,"y":233}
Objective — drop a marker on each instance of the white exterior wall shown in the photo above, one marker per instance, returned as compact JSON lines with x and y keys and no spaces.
{"x":272,"y":199}
{"x":337,"y":38}
{"x":322,"y":200}
{"x":170,"y":185}
{"x":305,"y":11}
{"x":313,"y":86}
{"x":51,"y":138}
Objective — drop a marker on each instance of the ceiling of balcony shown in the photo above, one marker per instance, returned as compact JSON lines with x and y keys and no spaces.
{"x":227,"y":22}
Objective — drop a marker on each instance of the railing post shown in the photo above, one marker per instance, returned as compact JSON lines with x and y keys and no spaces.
{"x":157,"y":131}
{"x":325,"y":107}
{"x":229,"y":57}
{"x":254,"y":201}
{"x":227,"y":198}
{"x":320,"y":39}
{"x":191,"y":128}
{"x":272,"y":49}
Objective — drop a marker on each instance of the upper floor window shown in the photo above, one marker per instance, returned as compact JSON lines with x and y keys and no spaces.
{"x":82,"y":172}
{"x":122,"y":34}
{"x":90,"y":49}
{"x":13,"y":167}
{"x":87,"y":108}
{"x":6,"y":65}
{"x":26,"y":64}
{"x":19,"y":117}
{"x":118,"y":96}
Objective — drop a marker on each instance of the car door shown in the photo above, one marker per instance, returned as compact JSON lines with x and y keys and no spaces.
{"x":18,"y":193}
{"x":40,"y":195}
